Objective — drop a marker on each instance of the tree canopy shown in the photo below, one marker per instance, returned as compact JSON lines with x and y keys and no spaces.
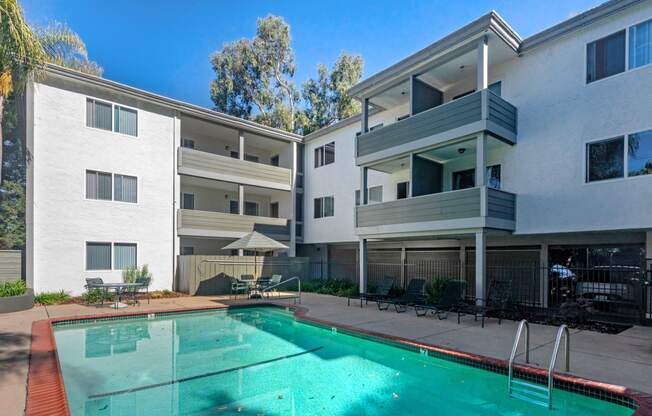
{"x":64,"y":47}
{"x":254,"y":80}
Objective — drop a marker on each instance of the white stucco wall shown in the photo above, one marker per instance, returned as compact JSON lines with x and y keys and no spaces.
{"x":64,"y":220}
{"x":557,"y":114}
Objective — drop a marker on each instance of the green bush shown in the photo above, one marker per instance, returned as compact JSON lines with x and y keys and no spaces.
{"x":134,"y":274}
{"x":435,"y":288}
{"x":335,"y":287}
{"x":97,"y":296}
{"x":15,"y":288}
{"x":52,"y":298}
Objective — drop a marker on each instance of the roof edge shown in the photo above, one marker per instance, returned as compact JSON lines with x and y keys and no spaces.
{"x":184,"y":107}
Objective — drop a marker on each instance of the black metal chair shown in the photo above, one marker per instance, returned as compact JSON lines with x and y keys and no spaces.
{"x":381,"y":292}
{"x":239,"y":287}
{"x":94,"y":283}
{"x":143,"y":288}
{"x":497,"y":303}
{"x":413,"y":295}
{"x":452,"y":300}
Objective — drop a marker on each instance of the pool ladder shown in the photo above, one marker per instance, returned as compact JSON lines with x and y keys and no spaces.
{"x":532,"y":392}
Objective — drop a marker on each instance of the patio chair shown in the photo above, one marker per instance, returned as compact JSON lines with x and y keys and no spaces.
{"x":93,"y":283}
{"x":239,"y":287}
{"x":143,"y":288}
{"x":273,"y":281}
{"x":451,"y":300}
{"x":496,"y":303}
{"x":381,"y":292}
{"x":413,"y":295}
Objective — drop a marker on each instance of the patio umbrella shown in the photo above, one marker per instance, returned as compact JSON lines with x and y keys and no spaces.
{"x":257,"y":242}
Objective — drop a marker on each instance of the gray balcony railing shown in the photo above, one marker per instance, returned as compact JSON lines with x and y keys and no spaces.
{"x":499,"y":115}
{"x":440,"y":207}
{"x":209,"y":165}
{"x":192,"y":222}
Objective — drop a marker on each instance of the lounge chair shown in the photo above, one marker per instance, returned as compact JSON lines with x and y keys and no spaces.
{"x":239,"y":287}
{"x":269,"y":283}
{"x":413,"y":295}
{"x":452,"y":300}
{"x":381,"y":292}
{"x":93,"y":283}
{"x":496,"y":303}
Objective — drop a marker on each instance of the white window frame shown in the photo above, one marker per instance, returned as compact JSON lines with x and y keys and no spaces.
{"x":183,"y":198}
{"x":322,"y":155}
{"x":644,"y":20}
{"x":113,"y":105}
{"x":625,"y":176}
{"x":112,"y":200}
{"x":322,"y":216}
{"x":112,"y":244}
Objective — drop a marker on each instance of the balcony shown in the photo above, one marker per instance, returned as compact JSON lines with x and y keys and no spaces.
{"x":195,"y":223}
{"x":472,"y":208}
{"x":223,"y":168}
{"x":474,"y":113}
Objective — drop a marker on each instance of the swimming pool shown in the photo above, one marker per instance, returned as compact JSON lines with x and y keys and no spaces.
{"x":261,"y":361}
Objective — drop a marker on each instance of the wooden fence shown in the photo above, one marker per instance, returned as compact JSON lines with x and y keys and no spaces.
{"x":212,"y":275}
{"x":11,"y":265}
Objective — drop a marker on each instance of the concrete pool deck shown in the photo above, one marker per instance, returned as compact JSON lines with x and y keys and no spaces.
{"x":623,"y":359}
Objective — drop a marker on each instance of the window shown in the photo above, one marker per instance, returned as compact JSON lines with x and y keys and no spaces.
{"x":299,"y":208}
{"x":605,"y":159}
{"x":639,"y":157}
{"x":464,"y":94}
{"x":357,"y":197}
{"x":273,"y":160}
{"x":324,"y":207}
{"x":98,"y":185}
{"x":124,"y":256}
{"x":107,"y":116}
{"x":605,"y":57}
{"x":375,"y":194}
{"x":496,"y":88}
{"x":189,"y":143}
{"x":377,"y":126}
{"x":640,"y":44}
{"x":187,"y":251}
{"x":466,"y":178}
{"x":402,"y":190}
{"x":235,"y":154}
{"x":98,"y":256}
{"x":251,"y":158}
{"x":125,"y":188}
{"x":251,"y":208}
{"x":98,"y":114}
{"x":234,"y":207}
{"x":325,"y":155}
{"x":273,"y":210}
{"x":188,"y":201}
{"x":126,"y":121}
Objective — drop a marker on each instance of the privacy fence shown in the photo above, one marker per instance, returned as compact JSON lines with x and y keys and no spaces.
{"x":11,"y":265}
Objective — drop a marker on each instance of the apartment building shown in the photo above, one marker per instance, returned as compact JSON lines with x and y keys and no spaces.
{"x":120,"y":177}
{"x":482,"y":148}
{"x":488,"y":148}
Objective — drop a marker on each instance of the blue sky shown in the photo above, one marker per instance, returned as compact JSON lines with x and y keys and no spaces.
{"x":163,"y":46}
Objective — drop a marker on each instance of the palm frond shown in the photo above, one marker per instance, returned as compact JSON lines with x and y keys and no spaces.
{"x":64,"y":47}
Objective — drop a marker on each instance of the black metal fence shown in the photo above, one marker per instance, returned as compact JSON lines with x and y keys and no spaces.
{"x":616,"y":294}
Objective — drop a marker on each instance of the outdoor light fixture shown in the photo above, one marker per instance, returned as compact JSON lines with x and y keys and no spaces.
{"x":461,"y":150}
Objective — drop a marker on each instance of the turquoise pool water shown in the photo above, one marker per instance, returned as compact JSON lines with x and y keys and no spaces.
{"x":260,"y":361}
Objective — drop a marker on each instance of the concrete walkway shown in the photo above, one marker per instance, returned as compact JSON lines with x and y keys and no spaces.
{"x":624,"y":359}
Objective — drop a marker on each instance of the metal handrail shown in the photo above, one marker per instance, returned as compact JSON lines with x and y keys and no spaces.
{"x":512,"y":356}
{"x":268,"y":288}
{"x":563,"y":330}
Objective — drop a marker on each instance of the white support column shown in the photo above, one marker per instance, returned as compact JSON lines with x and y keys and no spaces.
{"x":403,"y":265}
{"x":176,"y":203}
{"x":482,"y":64}
{"x":292,"y":251}
{"x":481,"y":160}
{"x":544,"y":284}
{"x":365,"y":116}
{"x":480,"y":265}
{"x":241,"y":147}
{"x":363,"y":265}
{"x":241,"y":201}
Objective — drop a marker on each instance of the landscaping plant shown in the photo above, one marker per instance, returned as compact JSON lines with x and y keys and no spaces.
{"x":13,"y":288}
{"x":135,"y":274}
{"x":435,"y":288}
{"x":52,"y":298}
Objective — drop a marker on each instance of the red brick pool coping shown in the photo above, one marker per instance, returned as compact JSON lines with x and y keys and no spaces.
{"x":46,"y":393}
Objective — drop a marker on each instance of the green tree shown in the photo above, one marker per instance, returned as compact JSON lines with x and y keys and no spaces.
{"x":253,"y":77}
{"x":21,"y":55}
{"x":64,"y":47}
{"x":326,"y":98}
{"x":12,"y":216}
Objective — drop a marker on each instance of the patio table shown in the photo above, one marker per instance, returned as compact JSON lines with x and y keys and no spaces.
{"x":119,"y":289}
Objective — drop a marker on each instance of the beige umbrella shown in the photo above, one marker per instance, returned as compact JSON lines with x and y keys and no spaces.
{"x":257,"y":242}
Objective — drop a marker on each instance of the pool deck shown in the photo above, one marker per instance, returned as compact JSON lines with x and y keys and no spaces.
{"x":624,"y":359}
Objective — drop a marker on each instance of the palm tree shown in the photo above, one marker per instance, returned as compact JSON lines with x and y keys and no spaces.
{"x":21,"y":54}
{"x":65,"y":48}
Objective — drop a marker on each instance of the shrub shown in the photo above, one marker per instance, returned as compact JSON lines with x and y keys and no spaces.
{"x":14,"y":288}
{"x":97,"y":296}
{"x":52,"y":298}
{"x":336,"y":287}
{"x":134,"y":274}
{"x":435,"y":288}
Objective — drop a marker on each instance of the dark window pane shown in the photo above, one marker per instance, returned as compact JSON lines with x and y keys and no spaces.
{"x":251,"y":158}
{"x":104,"y":186}
{"x":402,"y":190}
{"x":273,"y":160}
{"x":493,"y":176}
{"x":640,"y":44}
{"x":188,"y":201}
{"x":126,"y":121}
{"x":639,"y":160}
{"x":318,"y":153}
{"x":273,"y":210}
{"x":357,"y":197}
{"x":98,"y":114}
{"x":604,"y":160}
{"x":187,"y":251}
{"x":329,"y":153}
{"x":124,"y":256}
{"x":329,"y":206}
{"x":464,"y":179}
{"x":98,"y":256}
{"x":125,"y":188}
{"x":234,"y":207}
{"x":496,"y":88}
{"x":605,"y":57}
{"x":251,"y":208}
{"x":299,"y":207}
{"x":318,"y":212}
